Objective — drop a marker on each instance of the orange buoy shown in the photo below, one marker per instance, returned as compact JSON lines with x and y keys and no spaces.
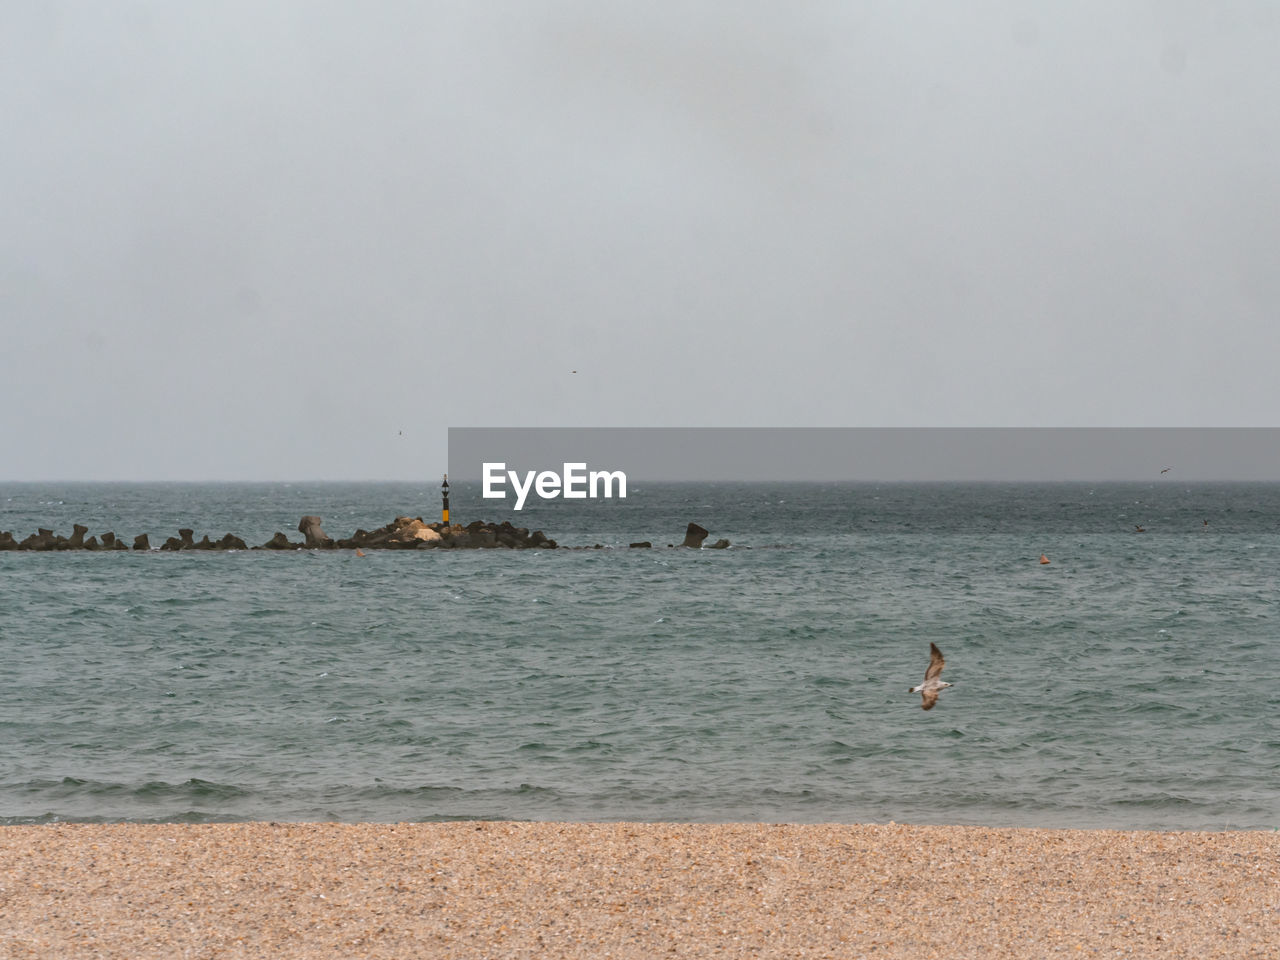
{"x":1043,"y":558}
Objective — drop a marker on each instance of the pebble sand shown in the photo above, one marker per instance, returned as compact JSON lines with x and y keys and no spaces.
{"x":630,"y":890}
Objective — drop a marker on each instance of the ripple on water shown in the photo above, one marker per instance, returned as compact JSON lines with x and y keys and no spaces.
{"x":1112,"y":688}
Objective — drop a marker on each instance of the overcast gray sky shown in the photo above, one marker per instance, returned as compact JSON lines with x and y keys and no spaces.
{"x":298,"y":240}
{"x":1165,"y":454}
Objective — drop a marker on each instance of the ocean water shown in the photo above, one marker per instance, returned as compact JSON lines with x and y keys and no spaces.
{"x":1131,"y":682}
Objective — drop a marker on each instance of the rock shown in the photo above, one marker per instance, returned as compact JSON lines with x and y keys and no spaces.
{"x":42,"y":539}
{"x":374,"y":538}
{"x":316,"y":537}
{"x":185,"y":540}
{"x":643,"y":544}
{"x":403,"y":533}
{"x":694,"y":536}
{"x":536,"y":539}
{"x":513,"y":538}
{"x":417,"y":530}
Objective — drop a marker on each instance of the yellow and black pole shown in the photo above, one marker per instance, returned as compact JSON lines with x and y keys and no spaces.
{"x":444,"y":495}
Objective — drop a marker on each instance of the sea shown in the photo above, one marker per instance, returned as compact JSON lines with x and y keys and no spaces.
{"x":1129,"y":682}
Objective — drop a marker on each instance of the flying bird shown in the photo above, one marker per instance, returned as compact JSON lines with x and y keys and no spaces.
{"x":1166,"y":469}
{"x":932,"y":686}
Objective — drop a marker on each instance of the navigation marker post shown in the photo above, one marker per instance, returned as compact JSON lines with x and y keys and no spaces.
{"x":444,"y":495}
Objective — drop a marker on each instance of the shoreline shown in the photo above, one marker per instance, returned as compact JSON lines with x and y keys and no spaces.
{"x":525,"y":889}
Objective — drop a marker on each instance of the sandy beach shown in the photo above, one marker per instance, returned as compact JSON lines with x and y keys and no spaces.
{"x":505,"y":889}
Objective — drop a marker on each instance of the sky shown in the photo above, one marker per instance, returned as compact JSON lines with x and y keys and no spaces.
{"x":301,"y":239}
{"x":1164,"y":455}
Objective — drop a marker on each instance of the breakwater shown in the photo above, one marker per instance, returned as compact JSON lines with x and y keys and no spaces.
{"x":402,"y":533}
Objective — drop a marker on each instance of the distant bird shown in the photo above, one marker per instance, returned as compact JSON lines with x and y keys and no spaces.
{"x":1206,"y":523}
{"x":1139,"y":528}
{"x":1166,"y":469}
{"x":932,"y":686}
{"x":573,"y":371}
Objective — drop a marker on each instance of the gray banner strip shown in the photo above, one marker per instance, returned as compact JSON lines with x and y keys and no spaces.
{"x":876,"y":454}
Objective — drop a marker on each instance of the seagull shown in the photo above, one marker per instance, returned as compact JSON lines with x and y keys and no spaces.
{"x":932,"y":686}
{"x":1166,"y":469}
